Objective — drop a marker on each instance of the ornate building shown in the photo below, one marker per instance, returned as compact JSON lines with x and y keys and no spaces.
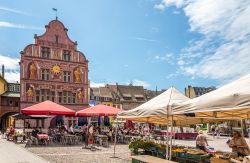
{"x":53,"y":69}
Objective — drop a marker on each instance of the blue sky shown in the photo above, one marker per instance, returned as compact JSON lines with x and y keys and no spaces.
{"x":153,"y":43}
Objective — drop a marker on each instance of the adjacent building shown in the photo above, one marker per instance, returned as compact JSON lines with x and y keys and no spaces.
{"x":121,"y":96}
{"x":9,"y":101}
{"x":193,"y":92}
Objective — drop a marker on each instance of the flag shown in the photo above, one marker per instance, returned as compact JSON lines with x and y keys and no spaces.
{"x":54,"y":9}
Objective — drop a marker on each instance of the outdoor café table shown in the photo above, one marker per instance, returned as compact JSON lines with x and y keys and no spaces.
{"x":149,"y":159}
{"x":42,"y":138}
{"x":69,"y":139}
{"x":103,"y":139}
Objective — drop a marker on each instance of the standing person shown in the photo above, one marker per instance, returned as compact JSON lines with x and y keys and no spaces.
{"x":217,"y":131}
{"x":198,"y":128}
{"x":239,"y":145}
{"x":213,"y":129}
{"x":248,"y":131}
{"x":201,"y":141}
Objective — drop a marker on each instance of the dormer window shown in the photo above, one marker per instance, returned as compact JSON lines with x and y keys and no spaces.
{"x":66,"y":55}
{"x":45,"y":52}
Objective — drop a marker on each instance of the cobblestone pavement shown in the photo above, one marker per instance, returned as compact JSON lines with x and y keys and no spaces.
{"x":12,"y":153}
{"x":75,"y":154}
{"x":219,"y":143}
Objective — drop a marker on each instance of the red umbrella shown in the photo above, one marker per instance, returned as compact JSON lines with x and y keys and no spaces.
{"x":47,"y":108}
{"x":99,"y":110}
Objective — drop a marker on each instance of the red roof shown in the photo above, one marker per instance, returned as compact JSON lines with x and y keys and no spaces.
{"x":99,"y":110}
{"x":47,"y":108}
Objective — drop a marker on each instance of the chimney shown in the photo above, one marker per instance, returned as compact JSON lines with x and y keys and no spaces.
{"x":3,"y":70}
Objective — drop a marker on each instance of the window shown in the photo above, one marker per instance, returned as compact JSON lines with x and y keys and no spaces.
{"x":37,"y":96}
{"x":42,"y":95}
{"x":64,"y":97}
{"x":53,"y":96}
{"x":45,"y":52}
{"x":106,"y":99}
{"x":45,"y":74}
{"x":73,"y":98}
{"x":66,"y":55}
{"x":67,"y":96}
{"x":96,"y":98}
{"x":60,"y":97}
{"x":66,"y":76}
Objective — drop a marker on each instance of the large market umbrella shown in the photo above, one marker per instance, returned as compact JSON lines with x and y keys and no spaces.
{"x":47,"y":108}
{"x":157,"y":109}
{"x":231,"y":101}
{"x":99,"y":110}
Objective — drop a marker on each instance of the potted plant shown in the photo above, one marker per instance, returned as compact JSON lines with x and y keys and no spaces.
{"x":18,"y":137}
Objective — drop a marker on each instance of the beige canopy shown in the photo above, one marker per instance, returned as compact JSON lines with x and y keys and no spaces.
{"x":231,"y":101}
{"x":157,"y":109}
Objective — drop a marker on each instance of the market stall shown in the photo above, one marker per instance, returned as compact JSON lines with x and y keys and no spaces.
{"x":230,"y":102}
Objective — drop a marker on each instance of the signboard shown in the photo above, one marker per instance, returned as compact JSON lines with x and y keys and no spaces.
{"x":92,"y":102}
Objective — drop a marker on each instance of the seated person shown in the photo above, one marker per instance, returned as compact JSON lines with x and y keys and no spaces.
{"x":71,"y":129}
{"x":34,"y":135}
{"x":76,"y":126}
{"x":11,"y":131}
{"x":239,"y":145}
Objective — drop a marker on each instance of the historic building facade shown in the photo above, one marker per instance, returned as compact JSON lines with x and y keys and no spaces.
{"x":192,"y":92}
{"x":53,"y":69}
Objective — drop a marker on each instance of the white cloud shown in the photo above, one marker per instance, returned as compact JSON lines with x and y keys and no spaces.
{"x":144,"y":39}
{"x":223,"y":51}
{"x":169,"y":58}
{"x":94,"y":84}
{"x":137,"y":82}
{"x":172,"y":75}
{"x":167,"y":3}
{"x":10,"y":63}
{"x":12,"y":76}
{"x":19,"y":26}
{"x":13,"y":10}
{"x":11,"y":66}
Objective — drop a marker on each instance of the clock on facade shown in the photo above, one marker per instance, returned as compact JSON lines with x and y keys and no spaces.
{"x":56,"y":69}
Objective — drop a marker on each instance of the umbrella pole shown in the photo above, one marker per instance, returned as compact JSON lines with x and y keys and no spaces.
{"x":171,"y":140}
{"x":242,"y":130}
{"x":167,"y":146}
{"x":115,"y":141}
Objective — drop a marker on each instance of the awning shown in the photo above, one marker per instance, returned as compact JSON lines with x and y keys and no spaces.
{"x":231,"y":101}
{"x":47,"y":108}
{"x":23,"y":116}
{"x":99,"y":110}
{"x":155,"y":110}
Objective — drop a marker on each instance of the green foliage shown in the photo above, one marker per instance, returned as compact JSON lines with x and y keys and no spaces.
{"x":134,"y":145}
{"x":19,"y":134}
